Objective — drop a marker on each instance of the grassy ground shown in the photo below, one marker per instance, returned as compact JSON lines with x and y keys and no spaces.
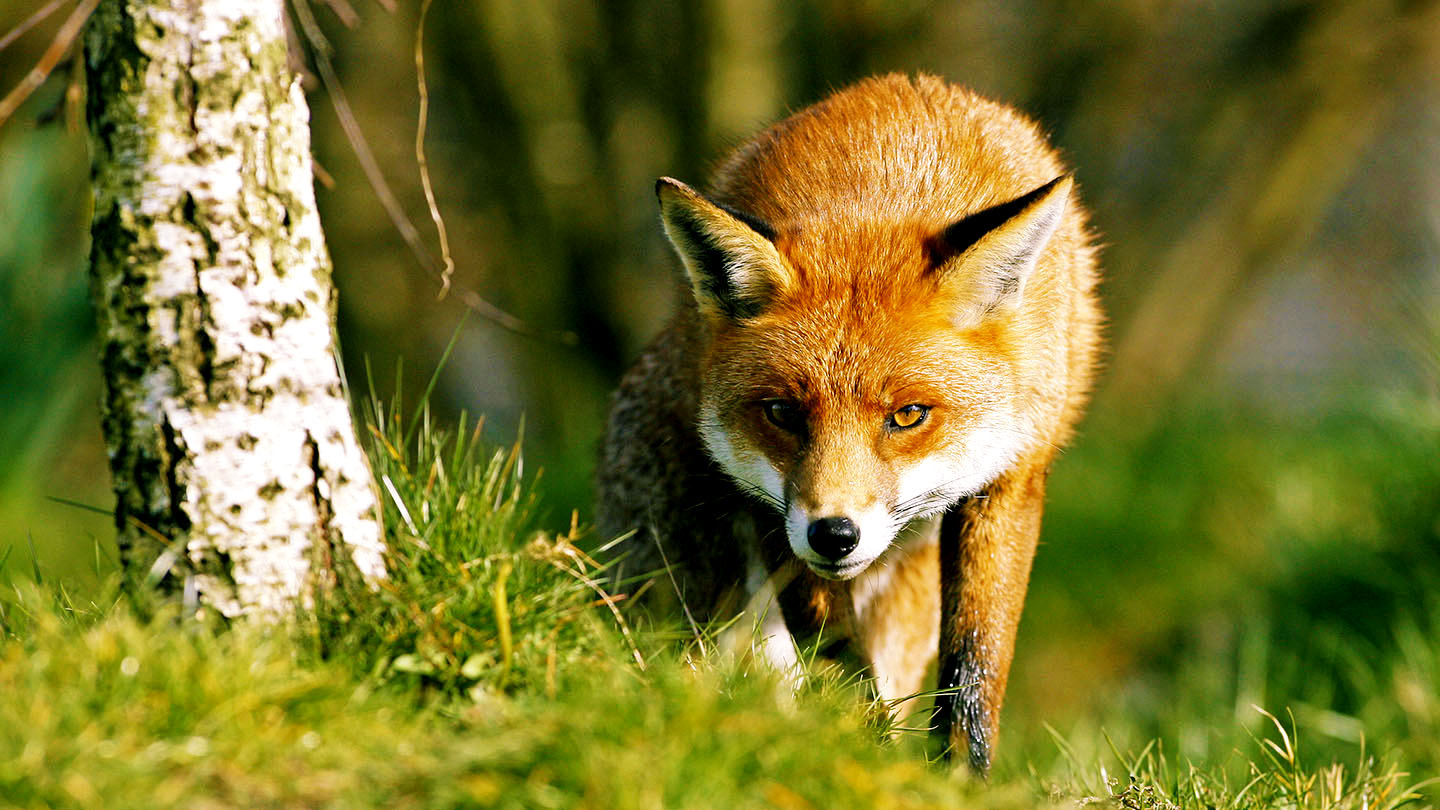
{"x":492,"y":671}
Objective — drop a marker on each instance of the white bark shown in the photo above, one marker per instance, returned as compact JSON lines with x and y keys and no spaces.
{"x":224,"y":411}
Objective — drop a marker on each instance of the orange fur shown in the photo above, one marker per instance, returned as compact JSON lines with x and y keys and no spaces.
{"x":903,"y":246}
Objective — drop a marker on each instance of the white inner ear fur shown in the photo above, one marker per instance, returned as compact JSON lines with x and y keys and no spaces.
{"x":748,"y":264}
{"x":997,"y":266}
{"x":751,"y":264}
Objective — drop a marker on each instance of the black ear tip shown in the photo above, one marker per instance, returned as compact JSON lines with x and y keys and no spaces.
{"x":1067,"y":179}
{"x":1047,"y":187}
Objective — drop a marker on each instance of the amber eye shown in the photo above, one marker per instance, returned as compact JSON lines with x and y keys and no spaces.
{"x":783,"y":414}
{"x":909,"y":416}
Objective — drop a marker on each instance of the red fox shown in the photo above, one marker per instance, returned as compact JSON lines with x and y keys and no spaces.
{"x":889,"y":333}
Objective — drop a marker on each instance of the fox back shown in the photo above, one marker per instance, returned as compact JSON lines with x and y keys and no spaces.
{"x":890,"y":317}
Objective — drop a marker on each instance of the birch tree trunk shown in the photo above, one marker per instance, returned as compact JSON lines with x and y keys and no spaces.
{"x":230,"y":438}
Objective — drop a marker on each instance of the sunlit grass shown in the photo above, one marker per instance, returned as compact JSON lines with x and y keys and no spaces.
{"x":493,"y":670}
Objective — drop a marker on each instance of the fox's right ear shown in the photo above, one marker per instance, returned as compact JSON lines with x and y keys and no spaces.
{"x":732,"y":264}
{"x":986,"y":258}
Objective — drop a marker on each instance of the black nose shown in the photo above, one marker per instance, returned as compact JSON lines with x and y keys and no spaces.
{"x":833,"y":537}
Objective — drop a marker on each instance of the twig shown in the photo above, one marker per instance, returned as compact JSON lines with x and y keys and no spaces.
{"x":564,"y":548}
{"x":348,"y":123}
{"x":343,"y":10}
{"x":420,"y":152}
{"x":30,"y":22}
{"x":609,"y":602}
{"x":58,"y":46}
{"x":78,"y":505}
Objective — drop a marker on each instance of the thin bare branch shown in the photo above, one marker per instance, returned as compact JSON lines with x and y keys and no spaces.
{"x":30,"y":22}
{"x":320,"y":46}
{"x":326,"y":179}
{"x":420,"y":152}
{"x":58,"y":46}
{"x":349,"y":17}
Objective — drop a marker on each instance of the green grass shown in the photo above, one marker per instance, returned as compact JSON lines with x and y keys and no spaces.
{"x":491,"y":670}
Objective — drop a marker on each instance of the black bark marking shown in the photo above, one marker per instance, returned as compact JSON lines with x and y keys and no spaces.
{"x":116,"y":364}
{"x":187,"y":89}
{"x":175,"y":454}
{"x":113,"y":63}
{"x":205,"y":322}
{"x":323,"y":543}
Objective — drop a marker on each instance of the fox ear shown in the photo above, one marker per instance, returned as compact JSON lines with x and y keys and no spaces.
{"x":986,"y":258}
{"x":732,"y":264}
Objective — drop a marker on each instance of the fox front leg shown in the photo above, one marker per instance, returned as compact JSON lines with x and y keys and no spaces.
{"x":987,"y":544}
{"x":761,"y":628}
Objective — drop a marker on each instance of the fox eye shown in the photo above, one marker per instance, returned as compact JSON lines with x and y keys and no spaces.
{"x":783,"y":414}
{"x":909,"y":416}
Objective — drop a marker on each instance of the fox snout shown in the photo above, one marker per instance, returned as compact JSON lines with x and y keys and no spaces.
{"x":838,"y":542}
{"x":833,"y":537}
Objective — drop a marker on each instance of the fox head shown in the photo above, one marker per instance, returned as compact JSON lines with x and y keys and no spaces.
{"x":860,"y":377}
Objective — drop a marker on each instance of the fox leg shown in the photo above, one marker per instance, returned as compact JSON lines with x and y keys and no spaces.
{"x":762,"y":626}
{"x":987,"y":544}
{"x":897,"y":620}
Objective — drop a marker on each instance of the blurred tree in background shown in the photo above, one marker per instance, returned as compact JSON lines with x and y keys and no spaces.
{"x":1265,"y":175}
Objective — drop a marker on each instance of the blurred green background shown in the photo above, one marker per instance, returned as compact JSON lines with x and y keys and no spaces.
{"x":1257,"y":489}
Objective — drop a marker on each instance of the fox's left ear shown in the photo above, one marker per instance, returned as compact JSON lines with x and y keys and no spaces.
{"x":985,"y":259}
{"x":733,"y":266}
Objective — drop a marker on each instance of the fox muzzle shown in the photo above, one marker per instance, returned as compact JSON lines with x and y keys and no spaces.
{"x":833,"y":537}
